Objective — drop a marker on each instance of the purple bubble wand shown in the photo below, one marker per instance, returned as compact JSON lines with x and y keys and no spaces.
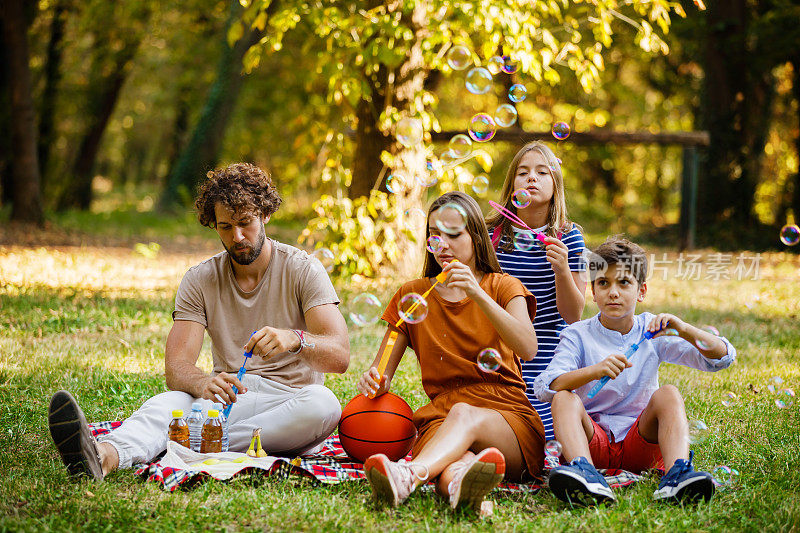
{"x":514,"y":218}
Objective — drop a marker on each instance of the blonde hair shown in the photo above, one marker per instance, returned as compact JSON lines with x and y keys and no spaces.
{"x":557,"y":220}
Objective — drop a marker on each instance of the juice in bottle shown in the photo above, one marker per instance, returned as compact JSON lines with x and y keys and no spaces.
{"x":212,"y":433}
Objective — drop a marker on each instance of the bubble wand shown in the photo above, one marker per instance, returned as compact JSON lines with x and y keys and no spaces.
{"x":387,"y":350}
{"x":628,"y":354}
{"x":514,"y":218}
{"x":239,"y":375}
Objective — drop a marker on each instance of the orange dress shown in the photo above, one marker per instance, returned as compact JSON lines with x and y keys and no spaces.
{"x":447,"y":344}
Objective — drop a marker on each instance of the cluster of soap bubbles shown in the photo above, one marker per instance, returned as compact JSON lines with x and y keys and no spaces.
{"x":785,"y":396}
{"x":552,"y":453}
{"x":790,"y":234}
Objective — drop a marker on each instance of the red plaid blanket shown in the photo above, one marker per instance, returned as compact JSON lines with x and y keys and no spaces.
{"x":330,"y":465}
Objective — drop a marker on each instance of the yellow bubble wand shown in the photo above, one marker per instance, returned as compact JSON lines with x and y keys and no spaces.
{"x":387,"y":350}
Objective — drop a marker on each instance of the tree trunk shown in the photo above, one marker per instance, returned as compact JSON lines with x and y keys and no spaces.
{"x":25,"y":165}
{"x":52,"y":76}
{"x":202,"y":151}
{"x":78,"y":193}
{"x":795,"y":188}
{"x":370,"y":142}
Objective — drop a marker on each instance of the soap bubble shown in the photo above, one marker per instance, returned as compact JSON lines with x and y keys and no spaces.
{"x":790,"y":234}
{"x":435,"y":243}
{"x":517,"y":93}
{"x":785,"y":398}
{"x":505,"y":115}
{"x":729,"y":399}
{"x":482,"y":127}
{"x":509,"y":65}
{"x":415,"y":217}
{"x":698,"y":432}
{"x":396,"y":183}
{"x":521,"y":198}
{"x":413,"y":308}
{"x":451,"y":218}
{"x":703,"y":345}
{"x":427,"y":179}
{"x":460,"y":145}
{"x":409,"y":132}
{"x":325,"y":257}
{"x":459,"y":57}
{"x":480,"y":185}
{"x":560,"y":130}
{"x":671,"y":332}
{"x":524,"y":241}
{"x":553,"y":448}
{"x":365,"y":309}
{"x":724,"y":475}
{"x":448,"y":159}
{"x":434,"y":166}
{"x":774,"y":384}
{"x":489,"y":360}
{"x":495,"y":65}
{"x":479,"y":80}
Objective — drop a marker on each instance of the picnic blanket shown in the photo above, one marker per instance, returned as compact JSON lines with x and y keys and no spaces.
{"x":181,"y":467}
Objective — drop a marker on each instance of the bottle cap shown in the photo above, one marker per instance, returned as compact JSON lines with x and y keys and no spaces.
{"x":197,"y":406}
{"x":213,"y":413}
{"x":177,"y":413}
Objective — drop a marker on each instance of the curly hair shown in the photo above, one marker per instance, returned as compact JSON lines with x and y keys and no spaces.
{"x":241,"y":187}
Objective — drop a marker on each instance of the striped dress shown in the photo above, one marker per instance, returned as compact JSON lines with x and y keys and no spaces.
{"x":533,"y":270}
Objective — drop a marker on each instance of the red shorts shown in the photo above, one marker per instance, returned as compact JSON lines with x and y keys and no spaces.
{"x":633,"y":454}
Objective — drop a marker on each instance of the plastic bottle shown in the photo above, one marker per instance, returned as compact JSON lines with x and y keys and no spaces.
{"x":224,"y":420}
{"x":195,"y":421}
{"x":212,"y":433}
{"x":178,"y":429}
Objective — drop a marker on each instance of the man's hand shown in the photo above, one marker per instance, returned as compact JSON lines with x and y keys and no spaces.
{"x":611,"y":366}
{"x":268,"y":341}
{"x":219,"y":388}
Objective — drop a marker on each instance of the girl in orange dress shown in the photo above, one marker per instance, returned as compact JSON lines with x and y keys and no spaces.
{"x":479,"y":426}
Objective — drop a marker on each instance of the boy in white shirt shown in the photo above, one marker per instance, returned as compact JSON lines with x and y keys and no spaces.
{"x":631,"y":423}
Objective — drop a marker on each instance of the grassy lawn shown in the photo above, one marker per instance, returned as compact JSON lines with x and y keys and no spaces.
{"x":93,"y":320}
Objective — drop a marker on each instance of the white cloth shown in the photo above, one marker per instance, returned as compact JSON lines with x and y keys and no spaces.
{"x":292,"y":420}
{"x":223,"y":465}
{"x":618,"y":404}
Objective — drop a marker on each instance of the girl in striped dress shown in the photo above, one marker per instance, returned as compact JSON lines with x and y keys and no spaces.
{"x":553,"y":273}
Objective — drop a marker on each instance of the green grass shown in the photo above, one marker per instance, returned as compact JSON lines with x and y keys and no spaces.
{"x":93,"y":320}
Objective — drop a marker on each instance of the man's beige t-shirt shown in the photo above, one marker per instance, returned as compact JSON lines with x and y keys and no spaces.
{"x":293,"y":283}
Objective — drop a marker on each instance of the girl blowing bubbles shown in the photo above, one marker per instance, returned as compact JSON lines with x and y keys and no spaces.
{"x":553,"y":273}
{"x":479,"y":425}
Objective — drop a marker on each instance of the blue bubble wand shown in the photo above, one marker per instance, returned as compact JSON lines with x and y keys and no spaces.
{"x":239,"y":375}
{"x":628,"y":354}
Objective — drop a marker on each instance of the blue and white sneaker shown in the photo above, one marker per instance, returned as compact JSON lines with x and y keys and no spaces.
{"x":683,"y":484}
{"x":579,"y":483}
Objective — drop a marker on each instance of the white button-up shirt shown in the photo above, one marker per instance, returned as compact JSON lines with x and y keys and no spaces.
{"x":619,"y":403}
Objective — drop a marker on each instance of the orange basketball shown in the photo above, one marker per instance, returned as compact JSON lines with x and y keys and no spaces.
{"x":382,"y":425}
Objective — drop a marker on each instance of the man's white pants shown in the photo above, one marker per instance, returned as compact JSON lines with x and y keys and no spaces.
{"x":292,"y":420}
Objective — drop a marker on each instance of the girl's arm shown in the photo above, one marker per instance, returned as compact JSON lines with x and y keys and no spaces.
{"x":371,"y":383}
{"x":512,"y":323}
{"x":570,"y":288}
